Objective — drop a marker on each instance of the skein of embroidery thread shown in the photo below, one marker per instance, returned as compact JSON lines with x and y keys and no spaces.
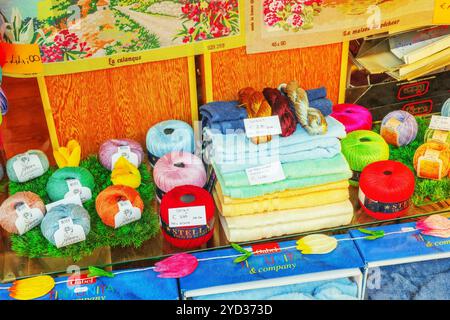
{"x":399,"y":128}
{"x":79,"y":217}
{"x":70,"y":181}
{"x":178,"y":169}
{"x":432,"y":160}
{"x":116,"y":206}
{"x":362,"y":148}
{"x":445,"y":111}
{"x":111,"y":150}
{"x":187,"y":216}
{"x":385,"y":189}
{"x":27,"y":166}
{"x":21,"y":212}
{"x":437,"y":135}
{"x":3,"y":102}
{"x":168,"y":136}
{"x":353,"y":117}
{"x":280,"y":107}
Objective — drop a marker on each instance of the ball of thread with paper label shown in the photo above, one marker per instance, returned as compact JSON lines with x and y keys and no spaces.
{"x":112,"y":150}
{"x":27,"y":166}
{"x":167,"y":136}
{"x":107,"y":202}
{"x":385,"y":189}
{"x":361,"y":148}
{"x":62,"y":180}
{"x":78,"y":215}
{"x":187,"y":216}
{"x":432,"y":160}
{"x":178,"y":168}
{"x":9,"y":209}
{"x":399,"y":128}
{"x":353,"y":117}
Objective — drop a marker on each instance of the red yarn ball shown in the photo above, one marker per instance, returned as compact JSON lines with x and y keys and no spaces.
{"x":280,"y":107}
{"x":187,"y":235}
{"x":385,"y":189}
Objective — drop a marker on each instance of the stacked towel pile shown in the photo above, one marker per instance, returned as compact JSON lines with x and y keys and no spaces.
{"x":314,"y":194}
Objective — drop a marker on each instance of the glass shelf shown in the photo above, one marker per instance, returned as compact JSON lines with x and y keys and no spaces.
{"x":14,"y":267}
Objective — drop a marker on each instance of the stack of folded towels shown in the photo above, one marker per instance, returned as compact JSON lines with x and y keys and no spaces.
{"x":314,"y":194}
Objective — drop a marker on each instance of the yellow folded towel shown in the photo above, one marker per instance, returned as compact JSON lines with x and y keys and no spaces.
{"x":312,"y":199}
{"x":279,"y":223}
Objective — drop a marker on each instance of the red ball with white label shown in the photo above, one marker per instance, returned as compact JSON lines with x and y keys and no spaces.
{"x":187,"y":216}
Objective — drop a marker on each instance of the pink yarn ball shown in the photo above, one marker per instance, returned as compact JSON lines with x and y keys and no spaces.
{"x":110,"y":147}
{"x":353,"y":117}
{"x":179,"y":168}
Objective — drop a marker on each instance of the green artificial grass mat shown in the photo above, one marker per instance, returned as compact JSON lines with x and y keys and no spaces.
{"x":33,"y":244}
{"x":427,"y":191}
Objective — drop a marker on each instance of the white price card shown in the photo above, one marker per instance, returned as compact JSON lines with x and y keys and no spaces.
{"x":267,"y":173}
{"x":440,"y":123}
{"x":187,"y":216}
{"x":264,"y":126}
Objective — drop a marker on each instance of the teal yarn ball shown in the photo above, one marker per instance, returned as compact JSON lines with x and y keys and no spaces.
{"x":445,"y":111}
{"x":361,"y":148}
{"x":27,"y":166}
{"x":57,"y":184}
{"x":78,"y":214}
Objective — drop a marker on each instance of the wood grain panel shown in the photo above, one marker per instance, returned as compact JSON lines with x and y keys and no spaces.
{"x":312,"y":67}
{"x":118,"y":103}
{"x":24,"y":126}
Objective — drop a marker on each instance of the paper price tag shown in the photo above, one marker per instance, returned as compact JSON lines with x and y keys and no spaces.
{"x":265,"y":126}
{"x":125,"y":151}
{"x":27,"y":218}
{"x":268,"y":173}
{"x":68,"y":233}
{"x":440,"y":123}
{"x":28,"y":166}
{"x":187,"y":216}
{"x":127,"y":214}
{"x":74,"y":199}
{"x":75,"y":188}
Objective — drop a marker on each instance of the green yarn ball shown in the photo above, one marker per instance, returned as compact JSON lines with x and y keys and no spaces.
{"x":362,"y":148}
{"x":57,"y":184}
{"x":12,"y":174}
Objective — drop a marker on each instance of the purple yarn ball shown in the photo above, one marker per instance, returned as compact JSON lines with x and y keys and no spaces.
{"x":407,"y":126}
{"x":110,"y":147}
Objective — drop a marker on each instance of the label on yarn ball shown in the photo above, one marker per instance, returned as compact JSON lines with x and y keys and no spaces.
{"x":127,"y":214}
{"x":27,"y":218}
{"x":74,"y":199}
{"x":268,"y":173}
{"x":264,"y":126}
{"x":440,"y":135}
{"x":68,"y":233}
{"x":75,"y":188}
{"x":382,"y":207}
{"x":27,"y":167}
{"x":389,"y":131}
{"x":187,"y":216}
{"x":440,"y":123}
{"x":187,"y":233}
{"x":125,"y":151}
{"x":429,"y":166}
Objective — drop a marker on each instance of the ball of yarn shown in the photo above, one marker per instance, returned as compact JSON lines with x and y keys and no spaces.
{"x":175,"y":229}
{"x":8,"y":213}
{"x":361,"y":148}
{"x":57,"y":185}
{"x":280,"y":107}
{"x":399,"y":128}
{"x":111,"y":147}
{"x":353,"y":117}
{"x":27,"y":166}
{"x":78,"y":214}
{"x":438,"y":164}
{"x":3,"y":102}
{"x":168,"y":136}
{"x":107,"y":202}
{"x":178,"y":169}
{"x":437,"y":135}
{"x":385,"y":189}
{"x":445,"y":111}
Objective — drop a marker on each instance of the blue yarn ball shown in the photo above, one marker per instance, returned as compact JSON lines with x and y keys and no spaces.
{"x":3,"y":102}
{"x":78,"y":214}
{"x":168,"y":136}
{"x":12,"y":175}
{"x":445,"y":111}
{"x":57,"y":183}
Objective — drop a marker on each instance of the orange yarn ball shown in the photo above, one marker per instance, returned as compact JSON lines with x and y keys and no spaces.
{"x":107,"y":206}
{"x":430,"y":166}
